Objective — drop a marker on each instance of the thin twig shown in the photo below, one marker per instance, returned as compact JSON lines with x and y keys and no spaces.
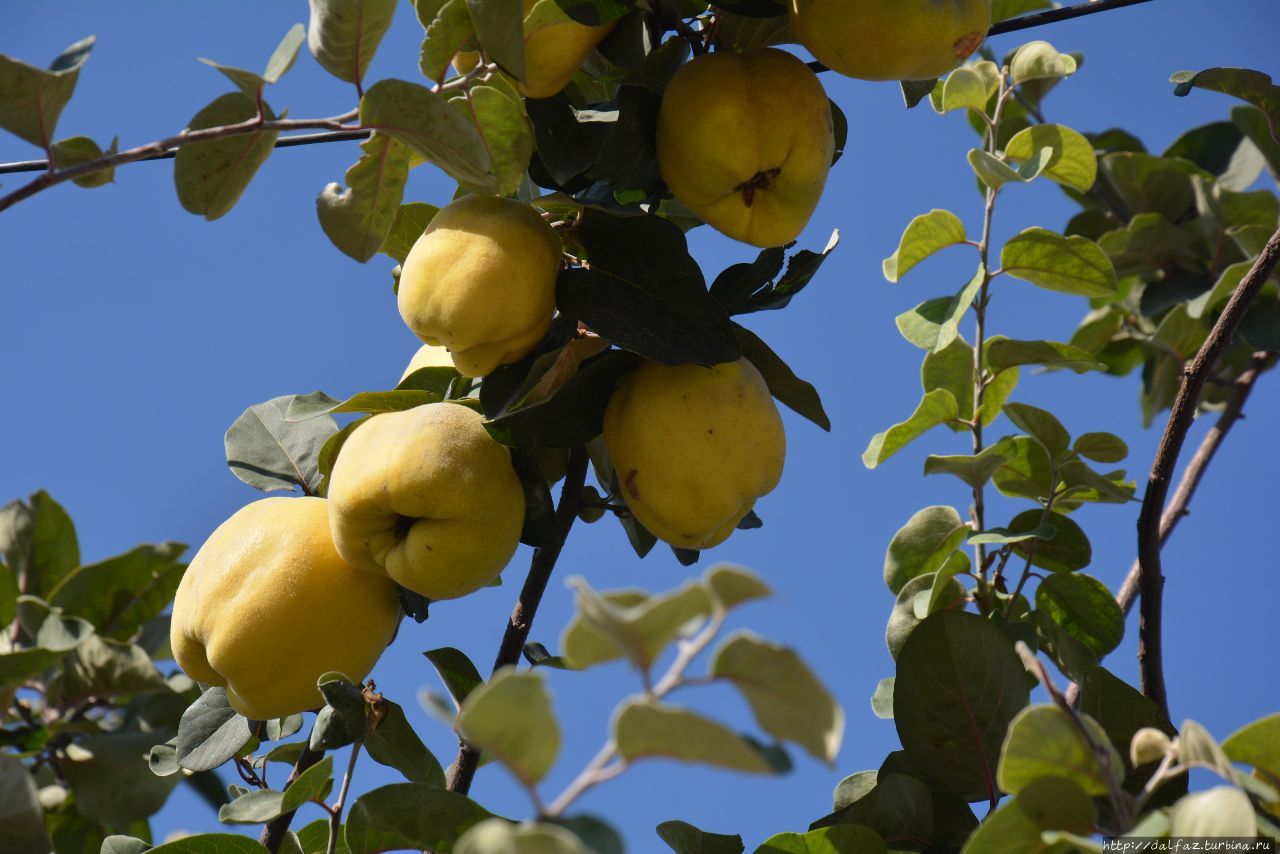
{"x":535,"y":584}
{"x":273,"y":833}
{"x":335,"y":813}
{"x":1151,"y":581}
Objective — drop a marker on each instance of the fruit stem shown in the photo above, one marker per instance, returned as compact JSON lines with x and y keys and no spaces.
{"x":535,"y":584}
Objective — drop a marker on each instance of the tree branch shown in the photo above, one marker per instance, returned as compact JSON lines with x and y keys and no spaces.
{"x":273,"y":833}
{"x":535,"y":584}
{"x":1151,"y":581}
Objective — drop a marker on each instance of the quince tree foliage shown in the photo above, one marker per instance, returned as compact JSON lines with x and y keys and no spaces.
{"x":568,"y":333}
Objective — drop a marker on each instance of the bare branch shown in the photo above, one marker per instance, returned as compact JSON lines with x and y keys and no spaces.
{"x":1151,"y":581}
{"x":535,"y":584}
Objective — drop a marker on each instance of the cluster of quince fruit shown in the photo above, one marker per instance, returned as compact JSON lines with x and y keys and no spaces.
{"x":289,"y":588}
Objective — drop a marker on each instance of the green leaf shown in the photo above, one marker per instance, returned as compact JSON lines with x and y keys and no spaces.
{"x":499,"y":836}
{"x":410,"y":815}
{"x":787,"y":699}
{"x":1221,"y":291}
{"x":526,"y":744}
{"x":407,"y":226}
{"x":1042,"y":426}
{"x":995,"y":172}
{"x":1073,"y":162}
{"x":498,"y":113}
{"x":645,"y":728}
{"x":1043,"y":741}
{"x":56,"y":636}
{"x":1069,"y":549}
{"x":640,"y":631}
{"x":113,"y":784}
{"x":936,"y":407}
{"x":1005,"y":353}
{"x":967,"y":88}
{"x":123,"y":845}
{"x":791,"y":391}
{"x":358,"y":219}
{"x":644,"y":292}
{"x":1245,"y":84}
{"x":584,"y":644}
{"x":428,"y":124}
{"x":282,"y":59}
{"x":121,"y":593}
{"x":1122,"y":710}
{"x":448,"y":27}
{"x":904,"y":618}
{"x":38,"y":542}
{"x":1220,"y":811}
{"x":106,"y":668}
{"x":262,"y":805}
{"x":1257,"y":744}
{"x":827,"y":840}
{"x":500,"y":32}
{"x":923,"y":545}
{"x":211,"y":176}
{"x":683,"y":838}
{"x":31,"y":99}
{"x":1084,"y":608}
{"x":935,"y":323}
{"x":210,"y":843}
{"x":1101,"y":447}
{"x":731,"y":585}
{"x":925,"y":235}
{"x":975,"y":470}
{"x":269,"y":452}
{"x":915,"y":91}
{"x":958,"y":686}
{"x":1048,"y":804}
{"x":1072,"y":265}
{"x":1026,"y":472}
{"x":76,"y":150}
{"x":20,"y":813}
{"x":394,"y":743}
{"x":1253,"y":123}
{"x":1039,"y":60}
{"x":882,"y":706}
{"x":210,"y":732}
{"x":344,"y":34}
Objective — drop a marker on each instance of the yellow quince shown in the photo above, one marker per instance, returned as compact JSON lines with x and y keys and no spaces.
{"x":694,"y":447}
{"x":481,"y":281}
{"x":428,"y":498}
{"x":268,"y":605}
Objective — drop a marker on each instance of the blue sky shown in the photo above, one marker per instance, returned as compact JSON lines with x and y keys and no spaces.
{"x":132,"y":334}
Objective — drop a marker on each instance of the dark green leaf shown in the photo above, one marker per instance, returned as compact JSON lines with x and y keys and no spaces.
{"x":38,"y":542}
{"x":1041,"y":425}
{"x":20,"y":812}
{"x":76,"y":150}
{"x":959,"y":684}
{"x":394,"y":743}
{"x":904,"y":618}
{"x":746,"y":288}
{"x":573,"y":415}
{"x":121,"y":593}
{"x":1069,"y":549}
{"x":922,"y":545}
{"x":500,"y":32}
{"x":645,"y":293}
{"x":410,"y":815}
{"x":826,"y":840}
{"x":1083,"y":607}
{"x":683,"y":838}
{"x":407,"y":226}
{"x":269,"y":452}
{"x":113,"y":784}
{"x":457,"y":672}
{"x":791,"y":391}
{"x":1245,"y":84}
{"x":1049,"y":803}
{"x":1044,"y":741}
{"x":211,"y":176}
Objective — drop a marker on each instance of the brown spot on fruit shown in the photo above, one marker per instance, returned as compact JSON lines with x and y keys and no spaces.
{"x":759,"y":181}
{"x":629,"y":483}
{"x":967,"y":44}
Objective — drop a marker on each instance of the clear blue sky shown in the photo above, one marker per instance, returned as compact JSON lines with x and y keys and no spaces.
{"x":132,"y":334}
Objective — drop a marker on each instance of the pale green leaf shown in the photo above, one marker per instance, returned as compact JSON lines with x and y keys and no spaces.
{"x":428,"y":124}
{"x":343,"y":35}
{"x":526,"y":743}
{"x":935,"y":323}
{"x":936,"y":407}
{"x":1039,"y":60}
{"x":358,"y":219}
{"x":1072,"y":162}
{"x":211,"y":176}
{"x":922,"y":545}
{"x":925,"y":235}
{"x":644,"y":728}
{"x":1073,"y":265}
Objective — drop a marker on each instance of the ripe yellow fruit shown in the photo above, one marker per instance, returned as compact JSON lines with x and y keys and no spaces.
{"x":694,"y":447}
{"x":555,"y":47}
{"x":267,"y":606}
{"x":428,"y":357}
{"x":891,"y":39}
{"x":427,"y":497}
{"x":481,"y":281}
{"x":745,"y":142}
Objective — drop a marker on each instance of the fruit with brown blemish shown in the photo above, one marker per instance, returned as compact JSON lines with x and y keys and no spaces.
{"x":745,"y":142}
{"x":694,"y":447}
{"x":891,"y":39}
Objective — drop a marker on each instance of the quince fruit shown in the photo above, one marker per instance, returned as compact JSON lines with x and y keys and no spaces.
{"x":481,"y":281}
{"x":891,"y":39}
{"x":555,"y":47}
{"x":745,"y":142}
{"x":428,"y":357}
{"x":267,"y":606}
{"x":694,"y":447}
{"x":428,"y":498}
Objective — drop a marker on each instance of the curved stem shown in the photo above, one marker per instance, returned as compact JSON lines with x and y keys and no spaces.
{"x":1151,"y":579}
{"x":335,"y":814}
{"x":535,"y":584}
